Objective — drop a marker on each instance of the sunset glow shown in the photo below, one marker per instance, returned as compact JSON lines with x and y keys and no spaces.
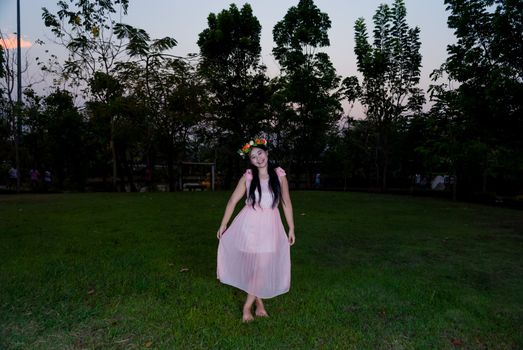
{"x":10,"y":42}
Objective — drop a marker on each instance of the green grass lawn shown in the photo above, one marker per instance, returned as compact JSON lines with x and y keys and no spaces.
{"x":135,"y":271}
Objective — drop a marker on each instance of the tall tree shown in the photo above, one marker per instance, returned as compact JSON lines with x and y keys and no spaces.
{"x":54,"y":137}
{"x":11,"y":111}
{"x":2,"y":58}
{"x":230,"y":63}
{"x":487,"y":105}
{"x":171,"y":93}
{"x":390,"y":66}
{"x":8,"y":81}
{"x":173,"y":99}
{"x":119,"y":114}
{"x":307,"y":94}
{"x":5,"y":117}
{"x":86,"y":29}
{"x":97,"y":43}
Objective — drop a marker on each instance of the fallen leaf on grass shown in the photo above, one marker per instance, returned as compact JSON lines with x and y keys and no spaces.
{"x":184,"y":269}
{"x":352,"y":308}
{"x":457,"y":342}
{"x":480,"y":344}
{"x":123,"y":341}
{"x":90,"y":291}
{"x":148,"y":344}
{"x":302,"y":214}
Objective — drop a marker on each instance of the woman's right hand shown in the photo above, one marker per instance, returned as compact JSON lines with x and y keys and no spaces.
{"x":221,"y":230}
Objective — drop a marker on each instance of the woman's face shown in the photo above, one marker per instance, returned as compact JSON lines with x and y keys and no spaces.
{"x":258,"y":157}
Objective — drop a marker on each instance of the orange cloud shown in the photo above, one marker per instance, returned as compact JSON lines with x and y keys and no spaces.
{"x":10,"y":42}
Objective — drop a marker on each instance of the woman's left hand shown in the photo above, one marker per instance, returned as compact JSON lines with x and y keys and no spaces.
{"x":292,"y":238}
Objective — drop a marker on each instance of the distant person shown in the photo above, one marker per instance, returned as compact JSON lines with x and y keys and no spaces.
{"x":317,"y":180}
{"x":48,"y":180}
{"x":34,"y":174}
{"x":254,"y":252}
{"x":13,"y":178}
{"x":417,"y":180}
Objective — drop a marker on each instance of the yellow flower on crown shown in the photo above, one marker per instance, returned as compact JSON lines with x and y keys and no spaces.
{"x":249,"y":145}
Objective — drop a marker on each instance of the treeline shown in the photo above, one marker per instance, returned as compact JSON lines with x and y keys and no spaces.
{"x":144,"y":108}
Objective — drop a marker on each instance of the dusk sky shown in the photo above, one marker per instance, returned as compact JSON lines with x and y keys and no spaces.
{"x":184,"y":20}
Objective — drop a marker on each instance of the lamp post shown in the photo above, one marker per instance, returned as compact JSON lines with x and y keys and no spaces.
{"x":18,"y":110}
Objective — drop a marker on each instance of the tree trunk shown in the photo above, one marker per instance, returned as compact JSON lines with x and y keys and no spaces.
{"x":129,"y":170}
{"x":484,"y":184}
{"x":455,"y":188}
{"x":385,"y":164}
{"x":113,"y":151}
{"x":384,"y":176}
{"x":377,"y":159}
{"x":345,"y":171}
{"x":120,"y":159}
{"x":170,"y":168}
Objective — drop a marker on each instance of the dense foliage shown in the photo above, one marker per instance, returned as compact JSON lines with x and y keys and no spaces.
{"x":124,"y":112}
{"x":307,"y":102}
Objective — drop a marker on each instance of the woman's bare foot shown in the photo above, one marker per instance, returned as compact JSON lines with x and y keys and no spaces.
{"x":261,"y":313}
{"x":260,"y":309}
{"x":247,"y":316}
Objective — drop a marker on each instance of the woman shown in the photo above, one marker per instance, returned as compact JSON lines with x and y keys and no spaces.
{"x":254,"y":252}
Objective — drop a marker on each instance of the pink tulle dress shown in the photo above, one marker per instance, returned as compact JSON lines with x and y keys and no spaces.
{"x":254,"y":252}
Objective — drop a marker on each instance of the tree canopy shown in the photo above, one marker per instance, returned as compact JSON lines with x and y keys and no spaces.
{"x":307,"y":99}
{"x":390,"y":66}
{"x":126,"y":113}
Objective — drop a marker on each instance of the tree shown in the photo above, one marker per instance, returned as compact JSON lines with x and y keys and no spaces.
{"x":173,"y":100}
{"x":171,"y":93}
{"x":86,"y":29}
{"x":2,"y":59}
{"x":8,"y":81}
{"x":391,"y":71}
{"x":54,"y":137}
{"x":11,"y":111}
{"x":183,"y":112}
{"x":115,"y":115}
{"x":485,"y":109}
{"x":148,"y":78}
{"x":97,"y":44}
{"x":230,"y":64}
{"x":8,"y":84}
{"x":306,"y":100}
{"x":486,"y":60}
{"x":5,"y":118}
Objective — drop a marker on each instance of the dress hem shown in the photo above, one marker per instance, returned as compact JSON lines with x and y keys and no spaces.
{"x":252,"y":293}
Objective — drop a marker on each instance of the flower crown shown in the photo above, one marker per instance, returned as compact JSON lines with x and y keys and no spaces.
{"x":247,"y":147}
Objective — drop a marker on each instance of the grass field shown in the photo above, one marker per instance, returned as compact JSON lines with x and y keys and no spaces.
{"x":137,"y":271}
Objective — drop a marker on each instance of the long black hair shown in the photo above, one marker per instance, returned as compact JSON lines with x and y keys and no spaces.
{"x":274,"y":182}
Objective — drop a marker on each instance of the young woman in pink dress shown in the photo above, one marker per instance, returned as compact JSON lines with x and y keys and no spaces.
{"x":254,"y":251}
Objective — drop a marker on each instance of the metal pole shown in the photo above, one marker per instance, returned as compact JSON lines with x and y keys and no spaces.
{"x":19,"y":95}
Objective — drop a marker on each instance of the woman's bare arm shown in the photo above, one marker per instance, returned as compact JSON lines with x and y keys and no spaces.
{"x":287,"y":208}
{"x":238,"y":193}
